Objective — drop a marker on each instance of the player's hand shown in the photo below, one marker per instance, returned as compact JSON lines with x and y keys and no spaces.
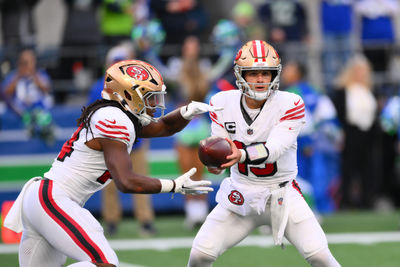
{"x":234,"y":157}
{"x":195,"y":108}
{"x":185,"y":185}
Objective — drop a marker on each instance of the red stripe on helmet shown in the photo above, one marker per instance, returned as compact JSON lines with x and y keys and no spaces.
{"x":255,"y":51}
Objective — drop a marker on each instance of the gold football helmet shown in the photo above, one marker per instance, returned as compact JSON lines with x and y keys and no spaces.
{"x":138,"y":87}
{"x":257,"y":55}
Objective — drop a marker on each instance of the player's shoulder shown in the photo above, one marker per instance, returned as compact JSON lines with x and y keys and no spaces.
{"x":288,"y":99}
{"x":225,"y":96}
{"x":112,"y":115}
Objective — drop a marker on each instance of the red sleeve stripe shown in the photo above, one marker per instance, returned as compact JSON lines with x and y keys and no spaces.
{"x":215,"y":121}
{"x":112,"y":126}
{"x":293,"y":118}
{"x":116,"y":137}
{"x":293,"y":114}
{"x":294,"y":109}
{"x":111,"y":132}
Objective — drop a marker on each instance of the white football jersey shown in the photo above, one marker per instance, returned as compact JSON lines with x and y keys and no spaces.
{"x":80,"y":170}
{"x":277,"y":125}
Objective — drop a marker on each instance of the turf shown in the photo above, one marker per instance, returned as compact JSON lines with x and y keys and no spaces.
{"x":380,"y":254}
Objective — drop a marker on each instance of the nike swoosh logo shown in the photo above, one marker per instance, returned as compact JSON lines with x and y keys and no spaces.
{"x":112,"y":122}
{"x":296,"y":103}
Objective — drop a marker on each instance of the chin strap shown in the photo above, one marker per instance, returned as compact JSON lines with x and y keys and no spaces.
{"x":144,"y":119}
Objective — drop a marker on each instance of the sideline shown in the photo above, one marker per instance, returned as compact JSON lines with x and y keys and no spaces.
{"x":163,"y":244}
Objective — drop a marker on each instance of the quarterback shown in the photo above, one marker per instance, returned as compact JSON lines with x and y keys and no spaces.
{"x":261,"y":123}
{"x":50,"y":210}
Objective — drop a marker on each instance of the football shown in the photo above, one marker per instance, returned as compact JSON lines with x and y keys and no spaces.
{"x":213,"y":151}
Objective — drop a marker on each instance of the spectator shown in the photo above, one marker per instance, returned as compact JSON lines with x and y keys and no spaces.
{"x":27,"y":92}
{"x":336,"y":29}
{"x":377,"y":30}
{"x":317,"y":144}
{"x":80,"y":48}
{"x":390,"y":124}
{"x":357,"y":112}
{"x":244,"y":15}
{"x":286,"y":27}
{"x":111,"y":206}
{"x":17,"y":26}
{"x":180,"y":18}
{"x":117,"y":19}
{"x":226,"y":40}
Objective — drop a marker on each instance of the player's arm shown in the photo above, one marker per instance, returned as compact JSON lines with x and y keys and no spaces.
{"x":176,"y":120}
{"x":283,"y":135}
{"x":119,"y":165}
{"x":167,"y":125}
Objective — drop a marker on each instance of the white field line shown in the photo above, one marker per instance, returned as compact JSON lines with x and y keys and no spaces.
{"x":125,"y":264}
{"x":154,"y":155}
{"x":163,"y":244}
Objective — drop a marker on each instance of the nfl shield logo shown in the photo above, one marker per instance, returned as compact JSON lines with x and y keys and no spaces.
{"x":249,"y":131}
{"x":280,"y":201}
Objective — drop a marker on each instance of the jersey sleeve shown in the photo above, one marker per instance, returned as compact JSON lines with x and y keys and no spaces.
{"x":112,"y":123}
{"x":285,"y":132}
{"x":217,"y":124}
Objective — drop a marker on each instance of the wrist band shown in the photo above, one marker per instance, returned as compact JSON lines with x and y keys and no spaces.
{"x":167,"y":186}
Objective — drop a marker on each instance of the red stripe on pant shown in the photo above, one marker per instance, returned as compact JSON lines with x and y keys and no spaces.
{"x":69,"y":225}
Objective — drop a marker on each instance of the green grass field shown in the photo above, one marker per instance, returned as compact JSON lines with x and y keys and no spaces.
{"x":172,"y":245}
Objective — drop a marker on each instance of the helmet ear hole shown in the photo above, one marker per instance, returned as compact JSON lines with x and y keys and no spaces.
{"x":127,"y":95}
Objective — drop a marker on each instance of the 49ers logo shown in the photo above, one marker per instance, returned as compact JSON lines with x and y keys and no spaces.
{"x":137,"y":73}
{"x":235,"y":197}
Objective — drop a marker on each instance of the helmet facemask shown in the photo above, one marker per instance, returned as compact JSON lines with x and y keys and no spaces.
{"x":138,"y":87}
{"x":257,"y":55}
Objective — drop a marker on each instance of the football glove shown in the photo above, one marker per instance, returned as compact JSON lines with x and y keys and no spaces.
{"x":184,"y":185}
{"x":195,"y":108}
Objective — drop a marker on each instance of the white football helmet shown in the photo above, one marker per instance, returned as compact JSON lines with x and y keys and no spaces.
{"x":138,"y":87}
{"x":257,"y":55}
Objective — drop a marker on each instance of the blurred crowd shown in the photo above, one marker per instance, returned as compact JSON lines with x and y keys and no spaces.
{"x":341,"y":56}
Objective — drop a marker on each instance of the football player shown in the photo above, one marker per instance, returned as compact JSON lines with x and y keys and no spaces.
{"x":50,"y":210}
{"x":262,"y":124}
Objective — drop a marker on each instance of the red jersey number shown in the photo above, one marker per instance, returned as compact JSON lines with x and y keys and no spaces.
{"x":67,"y":148}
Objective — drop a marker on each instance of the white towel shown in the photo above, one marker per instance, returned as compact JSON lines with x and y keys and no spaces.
{"x":279,"y":214}
{"x":13,"y":219}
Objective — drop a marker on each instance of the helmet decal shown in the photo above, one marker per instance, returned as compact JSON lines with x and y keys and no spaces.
{"x":239,"y":54}
{"x":137,"y":73}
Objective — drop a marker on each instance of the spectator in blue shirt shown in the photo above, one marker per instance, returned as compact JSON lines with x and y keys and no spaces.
{"x":376,"y":20}
{"x":318,"y":142}
{"x":27,"y":92}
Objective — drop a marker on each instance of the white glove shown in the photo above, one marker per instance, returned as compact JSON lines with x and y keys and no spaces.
{"x":184,"y":185}
{"x":195,"y":108}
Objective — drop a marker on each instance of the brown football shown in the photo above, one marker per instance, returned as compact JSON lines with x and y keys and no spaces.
{"x":213,"y":151}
